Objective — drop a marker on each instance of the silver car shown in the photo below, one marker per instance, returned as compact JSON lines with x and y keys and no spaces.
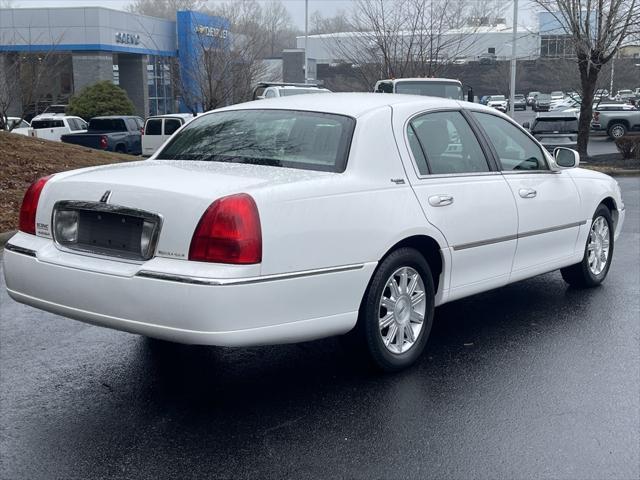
{"x":555,"y":129}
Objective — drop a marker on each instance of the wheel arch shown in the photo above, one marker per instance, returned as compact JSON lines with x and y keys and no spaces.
{"x":430,"y":249}
{"x":610,"y":203}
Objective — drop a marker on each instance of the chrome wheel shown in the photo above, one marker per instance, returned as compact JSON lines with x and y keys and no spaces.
{"x":598,"y":246}
{"x":617,"y":131}
{"x":401,"y":310}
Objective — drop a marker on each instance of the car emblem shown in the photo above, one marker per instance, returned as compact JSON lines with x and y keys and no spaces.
{"x":105,"y":197}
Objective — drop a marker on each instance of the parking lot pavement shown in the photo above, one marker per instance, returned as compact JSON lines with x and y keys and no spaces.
{"x":599,"y":144}
{"x":534,"y":380}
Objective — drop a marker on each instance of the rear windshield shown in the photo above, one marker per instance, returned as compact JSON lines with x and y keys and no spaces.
{"x":280,"y":138}
{"x":47,"y":124}
{"x":432,"y":89}
{"x":107,"y":124}
{"x":544,"y":97}
{"x":560,"y":125}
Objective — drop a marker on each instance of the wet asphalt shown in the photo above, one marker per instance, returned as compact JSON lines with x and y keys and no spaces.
{"x":534,"y":380}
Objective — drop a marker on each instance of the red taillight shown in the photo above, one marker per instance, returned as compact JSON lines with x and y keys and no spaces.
{"x":141,"y":130}
{"x":29,"y":207}
{"x":596,"y":116}
{"x":103,"y":142}
{"x":228,"y":232}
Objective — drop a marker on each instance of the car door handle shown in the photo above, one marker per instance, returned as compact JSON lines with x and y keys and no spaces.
{"x":440,"y":200}
{"x":527,"y":193}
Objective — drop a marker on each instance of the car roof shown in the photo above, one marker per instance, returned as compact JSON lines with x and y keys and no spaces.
{"x":170,"y":115}
{"x":114,"y":116}
{"x":350,"y":104}
{"x":559,"y":115}
{"x":419,"y":79}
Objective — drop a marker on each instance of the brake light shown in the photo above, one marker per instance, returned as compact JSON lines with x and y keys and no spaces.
{"x":141,"y":130}
{"x":596,"y":116}
{"x":228,"y":232}
{"x":27,"y":223}
{"x":104,"y":142}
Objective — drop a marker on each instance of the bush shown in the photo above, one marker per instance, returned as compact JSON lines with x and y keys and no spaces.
{"x":629,"y":146}
{"x":102,"y":98}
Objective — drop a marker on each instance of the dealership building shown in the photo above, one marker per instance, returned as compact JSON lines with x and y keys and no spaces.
{"x":90,"y":44}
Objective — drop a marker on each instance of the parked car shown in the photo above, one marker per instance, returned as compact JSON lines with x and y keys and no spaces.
{"x":114,"y":133}
{"x":519,"y":102}
{"x":572,"y":104}
{"x":312,"y":216}
{"x":542,"y":103}
{"x":531,"y":97}
{"x":275,"y":90}
{"x":625,"y":96}
{"x":159,"y":128}
{"x":54,"y":126}
{"x":557,"y":95}
{"x":487,"y":59}
{"x":601,"y":94}
{"x":499,"y":102}
{"x":557,"y":129}
{"x":55,"y":109}
{"x":616,"y":123}
{"x":433,"y":87}
{"x":17,"y":125}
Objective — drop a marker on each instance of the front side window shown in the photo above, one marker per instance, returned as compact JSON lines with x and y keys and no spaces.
{"x":443,"y":142}
{"x":279,"y":138}
{"x":515,"y":148}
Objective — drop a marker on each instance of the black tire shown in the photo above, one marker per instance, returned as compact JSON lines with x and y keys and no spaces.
{"x":368,"y":330}
{"x":120,"y":149}
{"x":580,"y":274}
{"x":617,"y":130}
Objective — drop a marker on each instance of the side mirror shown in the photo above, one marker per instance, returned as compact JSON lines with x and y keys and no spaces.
{"x":526,"y":125}
{"x":470,"y":95}
{"x":566,"y":157}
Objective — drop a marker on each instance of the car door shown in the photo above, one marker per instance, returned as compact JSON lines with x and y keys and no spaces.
{"x":464,"y":196}
{"x":548,"y":201}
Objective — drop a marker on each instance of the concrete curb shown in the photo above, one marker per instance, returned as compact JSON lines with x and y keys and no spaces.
{"x":619,"y":172}
{"x":5,"y":236}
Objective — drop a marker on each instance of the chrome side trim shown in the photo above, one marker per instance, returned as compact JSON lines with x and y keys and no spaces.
{"x":221,"y":282}
{"x":21,"y":250}
{"x":506,"y":238}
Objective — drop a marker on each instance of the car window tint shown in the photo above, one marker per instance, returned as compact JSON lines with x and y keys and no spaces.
{"x":171,"y":125}
{"x":153,"y":127}
{"x":73,"y":124}
{"x":279,"y":138}
{"x":448,"y":143}
{"x":132,"y":124}
{"x":515,"y":149}
{"x":270,"y":94}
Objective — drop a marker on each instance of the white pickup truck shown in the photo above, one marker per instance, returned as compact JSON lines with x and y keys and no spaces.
{"x":52,"y":127}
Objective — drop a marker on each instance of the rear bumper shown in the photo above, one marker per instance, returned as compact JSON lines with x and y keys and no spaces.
{"x":181,"y":308}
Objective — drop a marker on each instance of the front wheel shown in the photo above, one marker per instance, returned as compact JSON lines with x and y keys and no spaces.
{"x":397,"y":310}
{"x":593,"y":268}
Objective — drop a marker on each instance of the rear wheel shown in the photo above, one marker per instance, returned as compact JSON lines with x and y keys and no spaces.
{"x":396,"y":314}
{"x":598,"y":251}
{"x":121,"y":149}
{"x":617,"y":130}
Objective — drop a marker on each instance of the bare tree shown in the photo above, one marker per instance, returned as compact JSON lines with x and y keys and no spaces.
{"x":24,"y":78}
{"x":402,"y":38}
{"x":277,"y":22}
{"x":321,"y":24}
{"x":598,"y":28}
{"x":164,"y":8}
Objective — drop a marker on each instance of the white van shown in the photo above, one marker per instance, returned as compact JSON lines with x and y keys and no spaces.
{"x":54,"y":126}
{"x":160,"y":127}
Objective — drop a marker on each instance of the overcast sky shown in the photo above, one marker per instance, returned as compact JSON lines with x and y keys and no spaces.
{"x":296,"y":7}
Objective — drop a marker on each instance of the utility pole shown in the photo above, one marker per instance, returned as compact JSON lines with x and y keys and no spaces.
{"x":306,"y":40}
{"x":512,"y":89}
{"x":613,"y":61}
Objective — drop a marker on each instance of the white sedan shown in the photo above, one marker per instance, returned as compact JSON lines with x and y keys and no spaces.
{"x":298,"y":218}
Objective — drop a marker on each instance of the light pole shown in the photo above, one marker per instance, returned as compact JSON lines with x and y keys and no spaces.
{"x":306,"y":38}
{"x":512,"y":88}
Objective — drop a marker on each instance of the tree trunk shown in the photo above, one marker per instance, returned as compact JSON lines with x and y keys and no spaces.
{"x":589,"y":72}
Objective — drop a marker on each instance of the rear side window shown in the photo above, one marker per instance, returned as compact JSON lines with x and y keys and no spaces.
{"x":133,"y":124}
{"x":171,"y":125}
{"x":443,"y":142}
{"x":153,"y":127}
{"x":279,"y":138}
{"x":515,"y":149}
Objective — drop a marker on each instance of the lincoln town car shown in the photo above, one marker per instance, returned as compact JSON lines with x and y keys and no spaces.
{"x":303,"y":217}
